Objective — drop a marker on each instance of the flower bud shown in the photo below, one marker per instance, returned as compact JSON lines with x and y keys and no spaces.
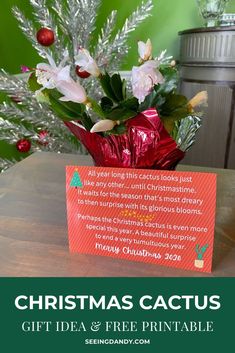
{"x":145,"y":50}
{"x":103,"y":125}
{"x":200,"y":98}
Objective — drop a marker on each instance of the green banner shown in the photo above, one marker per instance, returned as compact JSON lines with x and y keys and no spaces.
{"x":139,"y":315}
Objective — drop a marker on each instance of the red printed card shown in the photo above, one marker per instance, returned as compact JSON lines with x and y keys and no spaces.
{"x":160,"y":217}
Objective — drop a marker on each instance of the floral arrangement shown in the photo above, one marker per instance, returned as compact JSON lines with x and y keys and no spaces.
{"x":135,"y":128}
{"x":141,"y":122}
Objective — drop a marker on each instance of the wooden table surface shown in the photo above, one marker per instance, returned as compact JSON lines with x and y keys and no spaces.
{"x":33,"y":228}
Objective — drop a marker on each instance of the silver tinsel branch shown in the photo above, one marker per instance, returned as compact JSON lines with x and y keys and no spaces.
{"x":7,"y":163}
{"x":22,"y":116}
{"x":42,"y":14}
{"x":110,"y":52}
{"x":74,"y":24}
{"x":12,"y":131}
{"x":29,"y":31}
{"x":44,"y":18}
{"x":104,"y":39}
{"x":118,"y":49}
{"x":186,"y":131}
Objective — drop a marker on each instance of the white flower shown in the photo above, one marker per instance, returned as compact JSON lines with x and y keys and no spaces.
{"x":145,"y":50}
{"x":87,"y":63}
{"x":103,"y":125}
{"x":72,"y":91}
{"x":48,"y":75}
{"x":144,"y":78}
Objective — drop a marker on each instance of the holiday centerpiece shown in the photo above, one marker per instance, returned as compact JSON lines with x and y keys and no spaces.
{"x":141,"y":122}
{"x":135,"y":128}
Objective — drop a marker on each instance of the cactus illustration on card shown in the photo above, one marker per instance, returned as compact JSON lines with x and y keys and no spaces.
{"x":199,"y":262}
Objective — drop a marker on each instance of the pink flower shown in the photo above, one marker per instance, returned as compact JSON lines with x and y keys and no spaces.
{"x":51,"y":76}
{"x":87,"y":63}
{"x":144,"y":78}
{"x":72,"y":91}
{"x":145,"y":50}
{"x":25,"y":69}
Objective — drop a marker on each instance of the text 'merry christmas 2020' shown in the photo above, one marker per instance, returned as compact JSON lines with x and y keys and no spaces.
{"x":160,"y":217}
